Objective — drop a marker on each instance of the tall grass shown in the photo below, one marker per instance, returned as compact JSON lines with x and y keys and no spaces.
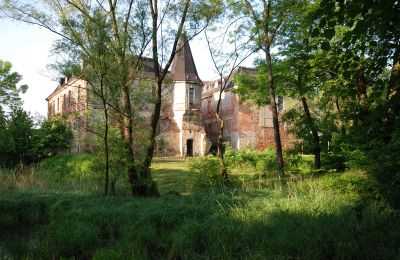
{"x":323,"y":217}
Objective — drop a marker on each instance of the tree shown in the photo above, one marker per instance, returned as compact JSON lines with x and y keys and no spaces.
{"x":191,"y":13}
{"x":53,"y":137}
{"x":368,"y":59}
{"x":15,"y":131}
{"x":108,"y":39}
{"x":20,"y":131}
{"x":296,"y":73}
{"x":228,"y":49}
{"x":269,"y":20}
{"x":9,"y":91}
{"x":128,"y":35}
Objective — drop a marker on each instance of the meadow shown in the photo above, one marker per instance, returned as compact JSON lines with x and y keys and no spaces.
{"x":56,"y":210}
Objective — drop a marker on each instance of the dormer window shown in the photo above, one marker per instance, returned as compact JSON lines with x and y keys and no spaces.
{"x":191,"y":95}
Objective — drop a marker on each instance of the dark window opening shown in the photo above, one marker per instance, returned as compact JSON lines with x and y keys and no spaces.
{"x":189,"y":147}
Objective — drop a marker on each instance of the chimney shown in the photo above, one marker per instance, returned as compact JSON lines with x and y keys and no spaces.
{"x":62,"y":80}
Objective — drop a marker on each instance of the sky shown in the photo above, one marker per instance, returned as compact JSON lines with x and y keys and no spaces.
{"x":28,"y":48}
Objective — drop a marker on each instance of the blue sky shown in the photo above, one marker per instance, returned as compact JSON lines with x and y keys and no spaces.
{"x":28,"y":47}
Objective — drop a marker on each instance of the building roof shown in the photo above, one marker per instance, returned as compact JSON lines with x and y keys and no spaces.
{"x":183,"y":67}
{"x":147,"y":73}
{"x":213,"y":86}
{"x":64,"y":82}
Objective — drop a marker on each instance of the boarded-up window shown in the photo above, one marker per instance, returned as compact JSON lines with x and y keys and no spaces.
{"x":58,"y":104}
{"x":265,"y":117}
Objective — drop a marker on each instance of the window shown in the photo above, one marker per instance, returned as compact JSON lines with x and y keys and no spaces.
{"x":265,"y":119}
{"x":191,"y":95}
{"x":209,"y":106}
{"x":58,"y":104}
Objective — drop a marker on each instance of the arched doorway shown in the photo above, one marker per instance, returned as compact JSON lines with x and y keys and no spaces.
{"x":189,"y":147}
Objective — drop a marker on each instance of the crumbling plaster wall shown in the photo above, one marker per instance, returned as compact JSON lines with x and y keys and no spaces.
{"x":242,"y":126}
{"x":169,"y":130}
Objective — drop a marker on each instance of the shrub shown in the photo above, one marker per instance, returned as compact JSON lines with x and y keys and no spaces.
{"x":333,"y":161}
{"x":206,"y":170}
{"x":266,"y":162}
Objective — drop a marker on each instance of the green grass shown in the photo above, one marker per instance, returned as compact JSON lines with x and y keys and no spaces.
{"x":336,"y":215}
{"x":76,"y":173}
{"x":172,"y":175}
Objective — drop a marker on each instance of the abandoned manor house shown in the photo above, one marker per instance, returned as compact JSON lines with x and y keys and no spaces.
{"x":188,"y":125}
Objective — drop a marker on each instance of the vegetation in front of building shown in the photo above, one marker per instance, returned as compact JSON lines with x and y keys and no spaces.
{"x":56,"y":210}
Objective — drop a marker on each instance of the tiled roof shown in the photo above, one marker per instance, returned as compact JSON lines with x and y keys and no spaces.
{"x":183,"y":67}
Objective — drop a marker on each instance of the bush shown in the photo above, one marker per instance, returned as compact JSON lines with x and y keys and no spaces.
{"x":206,"y":170}
{"x":266,"y":162}
{"x":333,"y":161}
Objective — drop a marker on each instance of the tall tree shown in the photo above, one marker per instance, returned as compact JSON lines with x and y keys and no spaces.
{"x":370,"y":62}
{"x":193,"y":18}
{"x":297,"y":73}
{"x":123,"y":34}
{"x":268,"y":19}
{"x":228,"y":50}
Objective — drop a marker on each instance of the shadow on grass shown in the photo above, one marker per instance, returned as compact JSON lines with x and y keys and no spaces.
{"x":207,"y":225}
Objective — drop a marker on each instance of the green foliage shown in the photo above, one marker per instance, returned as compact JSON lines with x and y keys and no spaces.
{"x":333,"y":161}
{"x":263,"y":163}
{"x":9,"y":91}
{"x":253,"y":87}
{"x":367,"y":82}
{"x":329,"y":215}
{"x":117,"y":160}
{"x":54,"y":136}
{"x":206,"y":172}
{"x":17,"y":144}
{"x":21,"y":143}
{"x":68,"y":167}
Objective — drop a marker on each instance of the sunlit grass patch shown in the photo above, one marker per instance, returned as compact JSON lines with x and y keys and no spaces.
{"x":171,"y":175}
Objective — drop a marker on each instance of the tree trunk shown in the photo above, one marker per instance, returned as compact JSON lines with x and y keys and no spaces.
{"x":145,"y":172}
{"x":220,"y":141}
{"x":126,"y":103}
{"x":311,"y":123}
{"x":105,"y":140}
{"x":154,"y":122}
{"x":275,"y":120}
{"x":341,"y":126}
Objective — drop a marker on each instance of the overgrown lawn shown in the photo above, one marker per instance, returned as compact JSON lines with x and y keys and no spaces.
{"x":333,"y":215}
